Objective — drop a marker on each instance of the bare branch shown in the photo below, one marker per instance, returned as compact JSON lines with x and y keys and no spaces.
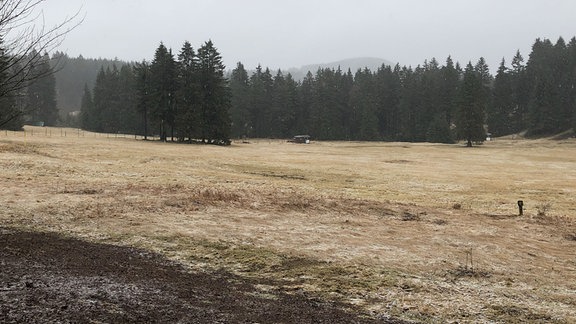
{"x":24,"y":40}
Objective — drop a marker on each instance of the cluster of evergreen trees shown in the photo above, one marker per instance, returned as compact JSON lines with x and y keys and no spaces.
{"x":185,"y":98}
{"x":111,"y":106}
{"x":428,"y":103}
{"x":539,"y":97}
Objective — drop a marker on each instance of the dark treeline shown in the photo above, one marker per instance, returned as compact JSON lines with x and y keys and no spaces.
{"x":183,"y":98}
{"x":428,"y":103}
{"x":186,"y":97}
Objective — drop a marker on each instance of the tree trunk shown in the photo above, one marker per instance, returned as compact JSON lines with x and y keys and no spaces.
{"x":145,"y":125}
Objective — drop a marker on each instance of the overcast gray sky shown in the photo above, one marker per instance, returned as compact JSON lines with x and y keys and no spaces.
{"x":292,"y":33}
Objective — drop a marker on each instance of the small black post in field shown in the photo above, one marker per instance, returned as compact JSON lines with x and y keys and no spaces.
{"x":520,"y":207}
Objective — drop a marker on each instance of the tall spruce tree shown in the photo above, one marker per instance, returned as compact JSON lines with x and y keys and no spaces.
{"x":411,"y":123}
{"x":520,"y":93}
{"x":560,"y":66}
{"x":11,"y":114}
{"x":550,"y":79}
{"x":109,"y":104}
{"x":143,"y":92}
{"x":240,"y":102}
{"x":345,"y":85}
{"x":327,"y":112}
{"x":303,"y":124}
{"x":279,"y":108}
{"x":289,"y":116}
{"x":189,"y":116}
{"x":388,"y":88}
{"x":363,"y":99}
{"x":102,"y":98}
{"x":483,"y":72}
{"x":126,"y":110}
{"x":451,"y":73}
{"x":470,"y":119}
{"x":87,"y":113}
{"x":500,"y":114}
{"x":543,"y":90}
{"x":214,"y":96}
{"x":283,"y":109}
{"x":260,"y":98}
{"x":41,"y":99}
{"x":432,"y":104}
{"x":571,"y":48}
{"x":163,"y":91}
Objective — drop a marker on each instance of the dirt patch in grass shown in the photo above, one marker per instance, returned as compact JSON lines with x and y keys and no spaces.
{"x":517,"y":314}
{"x":48,"y":278}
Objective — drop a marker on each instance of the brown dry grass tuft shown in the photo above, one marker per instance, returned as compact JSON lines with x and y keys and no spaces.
{"x":19,"y":148}
{"x":387,"y":226}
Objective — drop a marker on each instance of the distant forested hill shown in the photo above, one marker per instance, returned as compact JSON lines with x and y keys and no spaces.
{"x":352,"y":64}
{"x":73,"y":74}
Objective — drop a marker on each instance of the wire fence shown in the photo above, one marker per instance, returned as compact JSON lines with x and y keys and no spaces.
{"x":36,"y":131}
{"x":49,"y":132}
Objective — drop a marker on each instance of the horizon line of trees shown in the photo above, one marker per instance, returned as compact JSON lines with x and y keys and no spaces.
{"x":189,"y":98}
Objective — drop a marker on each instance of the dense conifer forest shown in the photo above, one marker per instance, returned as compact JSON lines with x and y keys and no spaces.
{"x":431,"y":102}
{"x":190,"y":97}
{"x":183,"y":98}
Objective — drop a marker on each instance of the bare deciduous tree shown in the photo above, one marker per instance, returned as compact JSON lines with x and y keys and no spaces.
{"x":24,"y":39}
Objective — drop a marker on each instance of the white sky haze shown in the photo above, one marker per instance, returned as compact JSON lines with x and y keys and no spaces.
{"x":285,"y":34}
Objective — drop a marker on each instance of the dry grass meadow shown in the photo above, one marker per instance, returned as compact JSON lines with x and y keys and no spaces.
{"x":420,"y":231}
